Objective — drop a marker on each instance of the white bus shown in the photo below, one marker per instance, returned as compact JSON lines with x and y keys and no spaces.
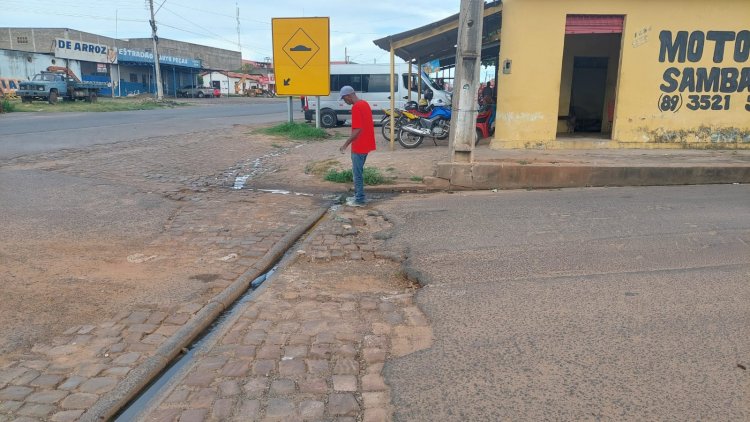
{"x":373,"y":84}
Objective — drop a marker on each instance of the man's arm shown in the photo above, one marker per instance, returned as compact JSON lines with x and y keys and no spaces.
{"x":352,"y":137}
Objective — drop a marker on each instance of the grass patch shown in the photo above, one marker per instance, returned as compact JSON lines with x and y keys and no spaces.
{"x":371,"y":176}
{"x":321,"y":168}
{"x":275,"y":145}
{"x":7,"y":106}
{"x":416,"y":178}
{"x":297,"y":131}
{"x":102,"y":105}
{"x":523,"y":162}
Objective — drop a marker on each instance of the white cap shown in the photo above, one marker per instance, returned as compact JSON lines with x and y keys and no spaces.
{"x":346,"y":90}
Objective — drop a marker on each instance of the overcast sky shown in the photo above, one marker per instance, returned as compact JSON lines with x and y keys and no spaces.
{"x":354,"y":23}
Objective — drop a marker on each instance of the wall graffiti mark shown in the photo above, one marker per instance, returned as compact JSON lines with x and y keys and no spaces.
{"x":8,"y":85}
{"x":685,"y":47}
{"x":641,"y":37}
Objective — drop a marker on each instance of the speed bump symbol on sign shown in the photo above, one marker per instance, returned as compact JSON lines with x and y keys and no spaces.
{"x":301,"y":48}
{"x":301,"y":56}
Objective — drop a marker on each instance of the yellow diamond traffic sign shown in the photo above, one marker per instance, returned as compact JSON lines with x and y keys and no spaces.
{"x":301,"y":56}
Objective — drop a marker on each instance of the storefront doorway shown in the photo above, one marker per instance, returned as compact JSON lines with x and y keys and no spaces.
{"x":590,"y":70}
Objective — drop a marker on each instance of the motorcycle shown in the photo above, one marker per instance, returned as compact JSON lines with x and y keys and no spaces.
{"x":399,"y":119}
{"x":436,"y":125}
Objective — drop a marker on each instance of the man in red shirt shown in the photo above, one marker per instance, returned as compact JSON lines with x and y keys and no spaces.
{"x":362,"y":140}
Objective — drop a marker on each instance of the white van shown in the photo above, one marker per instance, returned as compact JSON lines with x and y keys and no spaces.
{"x":373,"y":84}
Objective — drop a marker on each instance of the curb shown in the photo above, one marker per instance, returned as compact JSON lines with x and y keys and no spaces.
{"x":129,"y":387}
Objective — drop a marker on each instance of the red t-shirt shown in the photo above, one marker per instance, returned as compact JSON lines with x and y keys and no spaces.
{"x":362,"y":119}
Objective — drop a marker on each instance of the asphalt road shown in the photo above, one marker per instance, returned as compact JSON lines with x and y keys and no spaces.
{"x":29,"y":133}
{"x":579,"y":304}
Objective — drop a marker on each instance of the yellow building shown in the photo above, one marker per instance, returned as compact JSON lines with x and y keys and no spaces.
{"x":624,"y":74}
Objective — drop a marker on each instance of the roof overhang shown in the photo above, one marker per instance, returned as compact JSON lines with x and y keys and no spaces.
{"x":437,"y":41}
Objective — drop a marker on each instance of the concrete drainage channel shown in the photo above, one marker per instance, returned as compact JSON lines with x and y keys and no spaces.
{"x":134,"y":393}
{"x":144,"y":400}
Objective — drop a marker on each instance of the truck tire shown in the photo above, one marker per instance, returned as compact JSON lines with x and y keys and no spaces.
{"x":52,"y":97}
{"x":328,"y":118}
{"x":92,"y":97}
{"x":201,"y":94}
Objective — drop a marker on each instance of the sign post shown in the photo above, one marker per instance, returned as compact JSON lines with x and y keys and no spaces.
{"x":301,"y":57}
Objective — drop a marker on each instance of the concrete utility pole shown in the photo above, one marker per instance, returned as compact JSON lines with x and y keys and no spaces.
{"x":466,"y":82}
{"x":157,"y":68}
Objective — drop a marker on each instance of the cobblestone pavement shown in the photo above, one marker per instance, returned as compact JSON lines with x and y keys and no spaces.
{"x":215,"y":234}
{"x":311,"y":345}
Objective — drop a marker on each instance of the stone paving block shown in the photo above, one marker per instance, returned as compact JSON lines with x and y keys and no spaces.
{"x":374,"y":399}
{"x":342,"y":404}
{"x":135,"y":317}
{"x":180,"y":395}
{"x":345,"y":383}
{"x":292,"y":368}
{"x":318,"y":366}
{"x":200,"y":378}
{"x":79,"y":401}
{"x":25,"y":378}
{"x":229,"y":388}
{"x":202,"y":398}
{"x":282,"y":387}
{"x":346,"y":366}
{"x":164,"y":415}
{"x":313,"y":385}
{"x":280,"y":408}
{"x":39,"y":365}
{"x":269,"y":352}
{"x":7,"y":375}
{"x":98,"y":385}
{"x":127,"y":358}
{"x":178,"y":319}
{"x":193,"y":415}
{"x":311,"y":410}
{"x":245,"y":351}
{"x":222,"y":409}
{"x":373,"y":382}
{"x":46,"y":381}
{"x":36,"y":410}
{"x":295,"y":351}
{"x":46,"y":397}
{"x":236,"y":368}
{"x":15,"y":392}
{"x":117,"y":371}
{"x":373,"y":355}
{"x":249,"y":410}
{"x":264,"y":367}
{"x":72,"y":382}
{"x":255,"y":387}
{"x":376,"y":415}
{"x":66,"y":416}
{"x":8,"y":406}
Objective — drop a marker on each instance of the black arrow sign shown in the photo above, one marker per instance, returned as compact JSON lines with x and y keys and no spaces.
{"x":286,"y":81}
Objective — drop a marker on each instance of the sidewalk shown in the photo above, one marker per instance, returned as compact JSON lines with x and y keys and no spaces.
{"x":311,"y":345}
{"x":536,"y":169}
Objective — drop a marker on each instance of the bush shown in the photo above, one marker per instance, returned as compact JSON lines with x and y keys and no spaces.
{"x":370,"y":175}
{"x":298,"y":131}
{"x":6,"y":106}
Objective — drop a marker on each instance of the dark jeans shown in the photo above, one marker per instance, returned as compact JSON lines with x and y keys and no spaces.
{"x":358,"y":165}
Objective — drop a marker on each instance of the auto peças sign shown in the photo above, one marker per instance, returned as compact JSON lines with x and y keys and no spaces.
{"x":705,"y":87}
{"x":85,"y":51}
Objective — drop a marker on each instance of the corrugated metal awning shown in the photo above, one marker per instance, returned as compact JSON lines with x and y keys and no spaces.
{"x":594,"y":24}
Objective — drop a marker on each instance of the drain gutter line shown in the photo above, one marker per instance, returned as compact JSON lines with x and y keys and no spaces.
{"x":128,"y":388}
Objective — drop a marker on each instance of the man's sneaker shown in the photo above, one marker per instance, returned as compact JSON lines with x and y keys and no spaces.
{"x":353,"y":203}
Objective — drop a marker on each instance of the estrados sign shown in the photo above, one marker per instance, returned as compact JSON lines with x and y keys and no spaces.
{"x":89,"y":52}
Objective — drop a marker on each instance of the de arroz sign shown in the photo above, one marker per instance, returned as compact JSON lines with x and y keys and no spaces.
{"x":85,"y":51}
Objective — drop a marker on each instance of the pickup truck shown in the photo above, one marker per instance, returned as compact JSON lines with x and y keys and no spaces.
{"x":50,"y":86}
{"x":195,"y":91}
